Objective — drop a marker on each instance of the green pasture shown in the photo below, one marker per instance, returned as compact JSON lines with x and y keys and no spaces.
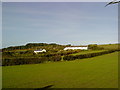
{"x":96,"y":72}
{"x":109,"y":46}
{"x":88,"y":51}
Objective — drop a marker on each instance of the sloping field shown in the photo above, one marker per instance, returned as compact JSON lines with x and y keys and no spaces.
{"x":88,"y":51}
{"x":96,"y":72}
{"x":110,"y":46}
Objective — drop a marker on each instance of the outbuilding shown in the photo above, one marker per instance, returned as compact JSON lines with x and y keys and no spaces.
{"x":39,"y":51}
{"x":76,"y":48}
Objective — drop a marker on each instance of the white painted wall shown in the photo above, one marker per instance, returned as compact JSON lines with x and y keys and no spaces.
{"x":38,"y":51}
{"x":75,"y":48}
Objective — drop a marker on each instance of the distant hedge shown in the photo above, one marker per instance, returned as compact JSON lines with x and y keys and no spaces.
{"x":88,"y":55}
{"x":21,"y":61}
{"x":50,"y":57}
{"x":60,"y":53}
{"x":28,"y":57}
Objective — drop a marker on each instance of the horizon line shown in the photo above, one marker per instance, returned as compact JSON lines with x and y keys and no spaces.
{"x":59,"y":44}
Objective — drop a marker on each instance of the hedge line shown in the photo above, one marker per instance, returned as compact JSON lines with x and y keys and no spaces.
{"x":36,"y":60}
{"x":10,"y":58}
{"x":21,"y":61}
{"x":88,"y":55}
{"x":60,"y":53}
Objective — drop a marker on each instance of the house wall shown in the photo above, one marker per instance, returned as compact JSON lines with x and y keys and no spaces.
{"x":40,"y":51}
{"x":75,"y":48}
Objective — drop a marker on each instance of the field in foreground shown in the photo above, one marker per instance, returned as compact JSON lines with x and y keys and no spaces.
{"x":97,"y":72}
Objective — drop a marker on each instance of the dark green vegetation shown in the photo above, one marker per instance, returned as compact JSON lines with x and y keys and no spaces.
{"x":25,"y":54}
{"x":87,"y":55}
{"x":96,"y":72}
{"x":20,"y":55}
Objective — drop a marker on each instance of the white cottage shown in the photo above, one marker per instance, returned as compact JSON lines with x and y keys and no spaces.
{"x":39,"y":51}
{"x":76,"y":48}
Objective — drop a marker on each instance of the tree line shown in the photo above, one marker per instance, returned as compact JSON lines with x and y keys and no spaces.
{"x":29,"y":46}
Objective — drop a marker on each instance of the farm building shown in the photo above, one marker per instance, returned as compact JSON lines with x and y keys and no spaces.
{"x":39,"y":51}
{"x":76,"y":48}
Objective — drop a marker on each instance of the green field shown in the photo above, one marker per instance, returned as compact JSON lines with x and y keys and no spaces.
{"x":96,"y":72}
{"x":109,"y":46}
{"x":0,"y":77}
{"x":88,"y":51}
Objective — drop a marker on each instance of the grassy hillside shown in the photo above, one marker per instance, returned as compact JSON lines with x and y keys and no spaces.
{"x":97,"y":72}
{"x":109,"y":46}
{"x":34,"y":46}
{"x":88,"y":51}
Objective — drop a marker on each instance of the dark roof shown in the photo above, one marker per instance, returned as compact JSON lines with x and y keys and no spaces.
{"x":76,"y":46}
{"x":39,"y":50}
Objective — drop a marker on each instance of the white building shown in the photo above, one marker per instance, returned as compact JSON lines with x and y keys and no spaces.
{"x":76,"y":48}
{"x":39,"y":51}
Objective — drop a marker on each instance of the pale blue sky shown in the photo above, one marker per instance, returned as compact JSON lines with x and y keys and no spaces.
{"x":78,"y":23}
{"x":0,"y":24}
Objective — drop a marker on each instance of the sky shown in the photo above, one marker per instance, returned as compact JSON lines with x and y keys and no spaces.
{"x":0,"y":25}
{"x":75,"y":23}
{"x":57,"y":0}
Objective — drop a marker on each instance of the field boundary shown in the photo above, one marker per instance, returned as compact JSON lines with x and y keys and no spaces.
{"x":88,"y":55}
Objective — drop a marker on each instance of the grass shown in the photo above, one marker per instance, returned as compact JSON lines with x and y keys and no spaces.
{"x":0,"y":77}
{"x":88,"y":51}
{"x":109,"y":46}
{"x":96,"y":72}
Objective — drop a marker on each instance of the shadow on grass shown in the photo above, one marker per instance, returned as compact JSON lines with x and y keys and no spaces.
{"x":46,"y":87}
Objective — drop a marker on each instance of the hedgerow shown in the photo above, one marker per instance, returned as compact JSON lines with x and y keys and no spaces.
{"x":88,"y":55}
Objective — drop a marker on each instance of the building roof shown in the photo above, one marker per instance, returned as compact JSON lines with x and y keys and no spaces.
{"x":76,"y":46}
{"x":39,"y":50}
